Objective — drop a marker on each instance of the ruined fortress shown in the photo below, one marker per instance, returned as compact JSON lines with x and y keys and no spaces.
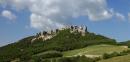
{"x":45,"y":35}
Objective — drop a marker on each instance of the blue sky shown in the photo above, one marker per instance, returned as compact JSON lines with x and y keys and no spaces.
{"x":18,"y":20}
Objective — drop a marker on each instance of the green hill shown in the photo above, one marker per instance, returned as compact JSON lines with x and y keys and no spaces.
{"x":63,"y":41}
{"x":127,"y":43}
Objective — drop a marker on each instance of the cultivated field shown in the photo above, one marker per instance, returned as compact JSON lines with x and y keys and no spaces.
{"x":125,"y":58}
{"x":96,"y":50}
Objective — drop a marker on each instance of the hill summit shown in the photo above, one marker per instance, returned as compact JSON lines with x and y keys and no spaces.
{"x":45,"y":35}
{"x":64,"y":39}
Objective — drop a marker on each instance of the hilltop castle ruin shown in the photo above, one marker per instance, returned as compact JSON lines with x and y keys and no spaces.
{"x":45,"y":35}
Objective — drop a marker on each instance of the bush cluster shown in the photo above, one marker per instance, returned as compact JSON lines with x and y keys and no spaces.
{"x":115,"y":54}
{"x":70,"y":59}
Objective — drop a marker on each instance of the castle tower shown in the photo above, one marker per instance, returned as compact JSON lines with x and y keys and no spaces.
{"x":83,"y":28}
{"x":86,"y":29}
{"x":41,"y":33}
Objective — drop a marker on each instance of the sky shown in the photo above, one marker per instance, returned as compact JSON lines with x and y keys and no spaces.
{"x":23,"y":18}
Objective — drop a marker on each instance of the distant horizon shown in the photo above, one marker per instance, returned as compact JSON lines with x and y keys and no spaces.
{"x":22,"y":18}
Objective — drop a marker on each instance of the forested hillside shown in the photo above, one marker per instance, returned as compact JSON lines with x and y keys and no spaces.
{"x":24,"y":50}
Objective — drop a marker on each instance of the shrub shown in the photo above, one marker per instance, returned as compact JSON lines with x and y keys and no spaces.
{"x":114,"y":54}
{"x":106,"y":56}
{"x":110,"y":55}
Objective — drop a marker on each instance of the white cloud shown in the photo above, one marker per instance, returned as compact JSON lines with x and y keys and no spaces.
{"x":8,"y":14}
{"x":48,"y":14}
{"x":39,"y":22}
{"x":120,"y":16}
{"x":1,"y":1}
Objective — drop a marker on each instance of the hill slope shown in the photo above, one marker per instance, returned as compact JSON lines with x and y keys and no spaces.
{"x":63,"y":41}
{"x":127,"y":43}
{"x":125,"y":58}
{"x":95,"y":50}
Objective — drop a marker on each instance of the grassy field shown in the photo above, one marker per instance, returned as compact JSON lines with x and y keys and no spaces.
{"x":95,"y":50}
{"x":118,"y":59}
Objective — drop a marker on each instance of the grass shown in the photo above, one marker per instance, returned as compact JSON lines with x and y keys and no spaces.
{"x":125,"y":58}
{"x":95,"y":50}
